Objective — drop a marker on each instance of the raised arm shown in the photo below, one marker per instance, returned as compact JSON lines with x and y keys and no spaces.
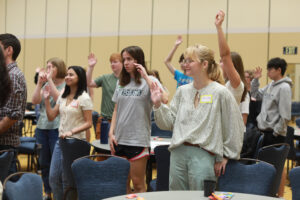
{"x":51,"y":112}
{"x":171,"y":54}
{"x":54,"y":92}
{"x":37,"y":94}
{"x":255,"y":91}
{"x":92,"y":60}
{"x":228,"y":67}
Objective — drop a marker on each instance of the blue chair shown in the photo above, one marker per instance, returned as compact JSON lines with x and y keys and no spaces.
{"x":28,"y":187}
{"x":162,"y":156}
{"x":259,"y":145}
{"x":298,"y":122}
{"x":294,"y":154}
{"x":100,"y":179}
{"x":276,"y":155}
{"x":72,"y":149}
{"x":295,"y":109}
{"x":295,"y":183}
{"x":156,"y":131}
{"x":6,"y":157}
{"x":255,"y":178}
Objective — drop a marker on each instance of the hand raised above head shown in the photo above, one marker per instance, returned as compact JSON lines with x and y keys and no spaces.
{"x":219,"y":18}
{"x":92,"y":60}
{"x":257,"y":72}
{"x":179,"y":40}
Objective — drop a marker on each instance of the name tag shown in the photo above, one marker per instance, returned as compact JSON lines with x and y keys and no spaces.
{"x":206,"y":99}
{"x":74,"y":104}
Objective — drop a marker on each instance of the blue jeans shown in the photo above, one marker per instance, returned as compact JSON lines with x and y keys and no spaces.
{"x":47,"y":138}
{"x":56,"y":179}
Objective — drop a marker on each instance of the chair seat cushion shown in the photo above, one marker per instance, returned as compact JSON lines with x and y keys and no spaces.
{"x":27,"y":139}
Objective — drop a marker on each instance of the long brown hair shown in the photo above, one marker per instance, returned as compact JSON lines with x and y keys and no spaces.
{"x":136,"y":53}
{"x":239,"y":66}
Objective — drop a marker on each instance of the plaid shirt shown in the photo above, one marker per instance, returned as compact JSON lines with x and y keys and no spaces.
{"x":15,"y":106}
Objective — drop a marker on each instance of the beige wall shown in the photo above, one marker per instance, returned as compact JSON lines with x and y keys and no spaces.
{"x":70,"y":29}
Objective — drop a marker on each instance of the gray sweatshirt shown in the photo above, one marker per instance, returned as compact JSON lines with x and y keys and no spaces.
{"x":276,"y":104}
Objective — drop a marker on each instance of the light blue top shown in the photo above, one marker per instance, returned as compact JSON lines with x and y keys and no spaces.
{"x":43,"y":122}
{"x":181,"y":78}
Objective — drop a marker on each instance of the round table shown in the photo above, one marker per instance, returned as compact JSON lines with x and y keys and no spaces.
{"x":189,"y":195}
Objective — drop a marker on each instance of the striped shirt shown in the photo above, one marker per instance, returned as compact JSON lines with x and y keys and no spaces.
{"x":15,"y":106}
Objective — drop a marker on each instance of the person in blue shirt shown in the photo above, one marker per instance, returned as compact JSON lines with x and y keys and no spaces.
{"x":180,"y":77}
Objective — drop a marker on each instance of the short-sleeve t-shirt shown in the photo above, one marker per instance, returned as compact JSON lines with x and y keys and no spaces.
{"x":236,"y":92}
{"x":133,"y":113}
{"x":244,"y":106}
{"x":108,"y":83}
{"x":71,"y":115}
{"x":181,"y":78}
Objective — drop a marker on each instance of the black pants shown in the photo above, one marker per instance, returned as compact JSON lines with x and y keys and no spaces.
{"x":270,"y":139}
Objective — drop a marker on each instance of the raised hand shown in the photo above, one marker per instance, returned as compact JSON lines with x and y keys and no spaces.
{"x":46,"y":92}
{"x":257,"y":72}
{"x":141,"y":69}
{"x":219,"y":18}
{"x":178,"y":41}
{"x":92,"y":60}
{"x":156,"y":94}
{"x":49,"y":73}
{"x":42,"y":76}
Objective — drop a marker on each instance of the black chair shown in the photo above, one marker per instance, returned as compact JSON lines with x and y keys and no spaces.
{"x":295,"y":183}
{"x":256,"y":178}
{"x":156,"y":131}
{"x":100,"y":179}
{"x":295,"y":109}
{"x":276,"y":155}
{"x":6,"y":157}
{"x":72,"y":148}
{"x":162,"y":156}
{"x":294,"y":154}
{"x":29,"y":186}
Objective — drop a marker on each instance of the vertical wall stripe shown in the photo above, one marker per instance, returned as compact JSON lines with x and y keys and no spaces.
{"x":268,"y":41}
{"x":119,"y":25}
{"x":45,"y":31}
{"x":91,"y":27}
{"x":151,"y":36}
{"x":67,"y":34}
{"x":188,"y":24}
{"x":227,"y":20}
{"x":5,"y":20}
{"x":24,"y":54}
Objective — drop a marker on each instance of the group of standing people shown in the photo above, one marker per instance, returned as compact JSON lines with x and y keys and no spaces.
{"x":203,"y":139}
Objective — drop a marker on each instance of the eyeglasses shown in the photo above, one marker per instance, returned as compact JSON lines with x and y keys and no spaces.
{"x":187,"y":61}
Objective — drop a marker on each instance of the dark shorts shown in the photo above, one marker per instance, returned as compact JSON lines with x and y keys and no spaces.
{"x":131,"y":152}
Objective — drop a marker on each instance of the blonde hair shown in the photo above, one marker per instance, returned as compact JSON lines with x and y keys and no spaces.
{"x":202,"y":53}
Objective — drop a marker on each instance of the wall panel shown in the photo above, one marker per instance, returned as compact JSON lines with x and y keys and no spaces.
{"x":2,"y":16}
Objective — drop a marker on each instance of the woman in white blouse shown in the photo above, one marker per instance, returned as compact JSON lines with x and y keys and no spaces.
{"x":75,"y":109}
{"x":206,"y":122}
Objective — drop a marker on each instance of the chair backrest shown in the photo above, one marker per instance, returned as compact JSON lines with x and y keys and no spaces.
{"x":289,"y":139}
{"x":100,"y":179}
{"x":162,"y":156}
{"x":71,"y":150}
{"x":156,"y":131}
{"x":255,"y":178}
{"x":28,"y":187}
{"x":295,"y":109}
{"x":6,"y":157}
{"x":295,"y":183}
{"x":298,"y":122}
{"x":259,"y":145}
{"x":276,"y":155}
